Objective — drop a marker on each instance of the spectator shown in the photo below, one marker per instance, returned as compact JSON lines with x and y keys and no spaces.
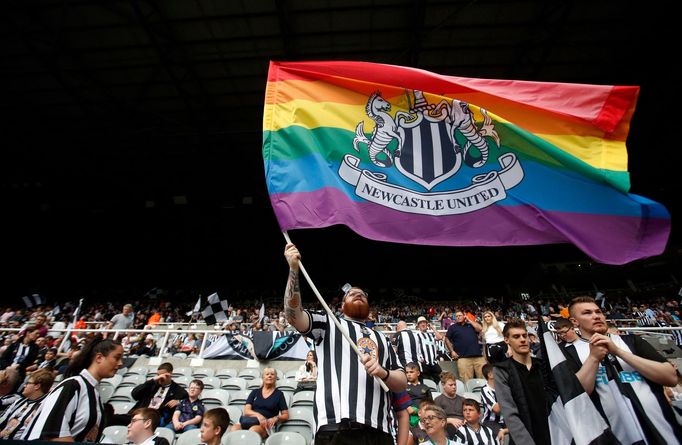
{"x":214,"y":426}
{"x":400,"y":402}
{"x":265,"y":407}
{"x":472,"y":432}
{"x":462,"y":341}
{"x":190,"y":411}
{"x":450,"y":402}
{"x":17,"y":417}
{"x":416,"y":390}
{"x":306,"y":376}
{"x":492,"y":414}
{"x":142,"y":426}
{"x":418,"y":432}
{"x":428,"y":354}
{"x":9,"y":380}
{"x":48,"y":362}
{"x":22,"y":353}
{"x":565,"y":331}
{"x":495,"y":347}
{"x":123,"y":320}
{"x":520,"y":389}
{"x":72,"y":411}
{"x":435,"y":422}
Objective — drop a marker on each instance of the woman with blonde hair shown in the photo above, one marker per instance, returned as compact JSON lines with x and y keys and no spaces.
{"x":265,"y":407}
{"x":495,"y":347}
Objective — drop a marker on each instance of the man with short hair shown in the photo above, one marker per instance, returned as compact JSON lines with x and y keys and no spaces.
{"x":462,"y":341}
{"x":214,"y":426}
{"x":141,"y":428}
{"x":124,"y":320}
{"x":565,"y":331}
{"x":472,"y":432}
{"x":428,"y":338}
{"x":520,"y":389}
{"x":624,"y":376}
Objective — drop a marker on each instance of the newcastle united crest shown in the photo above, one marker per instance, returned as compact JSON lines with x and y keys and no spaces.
{"x":432,"y":143}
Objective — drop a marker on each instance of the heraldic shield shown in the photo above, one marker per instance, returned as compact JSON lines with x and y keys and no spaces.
{"x":428,"y":155}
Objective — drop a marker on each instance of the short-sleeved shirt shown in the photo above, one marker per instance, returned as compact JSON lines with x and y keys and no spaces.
{"x":464,"y":339}
{"x":268,"y":407}
{"x":189,"y":410}
{"x":120,"y":321}
{"x":418,"y":393}
{"x":452,"y":407}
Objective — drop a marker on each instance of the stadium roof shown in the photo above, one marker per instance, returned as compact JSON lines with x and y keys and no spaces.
{"x":132,"y":129}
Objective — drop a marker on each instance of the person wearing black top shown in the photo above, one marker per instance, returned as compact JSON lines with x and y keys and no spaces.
{"x":160,"y":393}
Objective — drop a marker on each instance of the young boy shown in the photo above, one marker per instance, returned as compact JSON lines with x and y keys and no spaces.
{"x":416,"y":390}
{"x":451,"y":402}
{"x":472,"y":432}
{"x":188,"y":413}
{"x":214,"y":426}
{"x":492,"y":415}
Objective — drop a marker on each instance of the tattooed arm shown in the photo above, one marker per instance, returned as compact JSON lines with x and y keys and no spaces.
{"x":292,"y":294}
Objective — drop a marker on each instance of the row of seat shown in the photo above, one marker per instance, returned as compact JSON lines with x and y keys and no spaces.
{"x":224,"y":373}
{"x":118,"y":435}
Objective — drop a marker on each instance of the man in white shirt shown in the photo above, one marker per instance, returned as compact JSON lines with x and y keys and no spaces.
{"x":141,"y":428}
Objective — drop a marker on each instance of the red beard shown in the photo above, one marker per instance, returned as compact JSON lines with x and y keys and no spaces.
{"x":357,"y":310}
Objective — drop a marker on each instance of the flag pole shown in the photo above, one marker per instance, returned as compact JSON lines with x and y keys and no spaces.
{"x":330,"y":314}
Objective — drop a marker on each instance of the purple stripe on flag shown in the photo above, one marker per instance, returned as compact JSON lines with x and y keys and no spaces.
{"x":612,"y":239}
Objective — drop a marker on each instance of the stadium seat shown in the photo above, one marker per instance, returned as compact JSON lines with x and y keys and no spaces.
{"x":122,"y":371}
{"x":132,"y":380}
{"x":286,"y":438}
{"x":122,"y":394}
{"x":461,"y":387}
{"x":471,"y":395}
{"x":138,"y":370}
{"x":287,"y":384}
{"x":303,"y":398}
{"x":191,"y":437}
{"x":166,"y":433}
{"x":300,"y":421}
{"x":239,"y":397}
{"x":183,"y":380}
{"x":280,"y":374}
{"x":288,"y":395}
{"x":117,"y":434}
{"x":215,"y":398}
{"x":209,"y":382}
{"x":181,"y":355}
{"x":290,"y":374}
{"x":113,"y":381}
{"x":242,"y":437}
{"x":203,"y":372}
{"x":435,"y":394}
{"x":254,"y":384}
{"x":249,"y":373}
{"x":433,"y":386}
{"x":475,"y":385}
{"x":122,"y":407}
{"x":226,"y":373}
{"x":182,"y":370}
{"x":235,"y":412}
{"x":233,"y":383}
{"x":105,"y":393}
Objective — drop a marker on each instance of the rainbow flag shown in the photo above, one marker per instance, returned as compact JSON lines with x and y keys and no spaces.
{"x":404,"y":155}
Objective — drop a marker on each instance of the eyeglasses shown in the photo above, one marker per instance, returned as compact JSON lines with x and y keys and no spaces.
{"x":431,"y":418}
{"x":135,"y":420}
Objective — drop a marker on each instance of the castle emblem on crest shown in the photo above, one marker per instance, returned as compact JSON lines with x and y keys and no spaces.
{"x":429,"y":144}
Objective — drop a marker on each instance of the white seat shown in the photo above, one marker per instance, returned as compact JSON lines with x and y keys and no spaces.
{"x":290,"y":384}
{"x":182,"y":370}
{"x":166,"y":433}
{"x":435,"y":394}
{"x":472,"y":395}
{"x":254,"y":384}
{"x":280,"y":374}
{"x":122,"y":394}
{"x":183,"y":380}
{"x":117,"y":434}
{"x":290,"y":374}
{"x":122,"y":371}
{"x":210,"y":382}
{"x":433,"y":386}
{"x":226,"y":373}
{"x":476,"y":385}
{"x":235,"y":412}
{"x":132,"y":380}
{"x":249,"y":373}
{"x":461,"y":387}
{"x":215,"y":398}
{"x":113,"y":381}
{"x":300,"y":421}
{"x":303,"y":398}
{"x":237,"y":383}
{"x":191,"y":437}
{"x":106,"y":392}
{"x":122,"y":407}
{"x":180,"y":355}
{"x":242,"y":437}
{"x":203,"y":372}
{"x":286,"y":438}
{"x":239,"y":397}
{"x":138,"y":370}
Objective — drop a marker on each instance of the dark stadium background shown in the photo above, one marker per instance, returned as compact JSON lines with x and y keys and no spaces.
{"x":131,"y":138}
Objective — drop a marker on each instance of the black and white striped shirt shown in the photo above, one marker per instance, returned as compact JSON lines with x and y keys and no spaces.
{"x":489,"y":400}
{"x":427,"y":345}
{"x":466,"y":435}
{"x":344,"y":389}
{"x":408,"y":347}
{"x":72,"y":409}
{"x":15,"y":419}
